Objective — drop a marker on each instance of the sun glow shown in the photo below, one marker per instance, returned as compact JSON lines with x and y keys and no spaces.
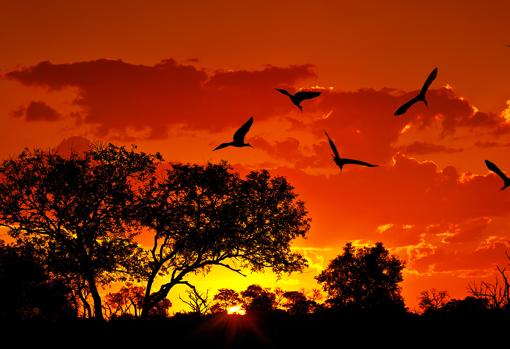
{"x":506,"y":113}
{"x":236,"y":310}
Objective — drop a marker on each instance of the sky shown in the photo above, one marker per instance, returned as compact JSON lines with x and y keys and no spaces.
{"x":180,"y":77}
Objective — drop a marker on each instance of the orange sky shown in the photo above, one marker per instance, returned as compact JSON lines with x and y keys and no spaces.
{"x":179,"y":78}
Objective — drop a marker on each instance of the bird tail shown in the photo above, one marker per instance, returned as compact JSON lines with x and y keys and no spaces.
{"x":506,"y":184}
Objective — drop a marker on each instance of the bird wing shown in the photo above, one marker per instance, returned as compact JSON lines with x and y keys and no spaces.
{"x":357,"y":162}
{"x":403,"y":108}
{"x":492,"y":166}
{"x":221,"y":146}
{"x":302,"y":95}
{"x":243,"y":130}
{"x":432,"y":76}
{"x":282,"y":91}
{"x":332,"y":145}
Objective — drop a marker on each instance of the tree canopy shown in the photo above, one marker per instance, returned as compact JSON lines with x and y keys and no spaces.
{"x":83,"y":212}
{"x":28,"y":290}
{"x":76,"y":210}
{"x":205,"y":216}
{"x":365,"y":278}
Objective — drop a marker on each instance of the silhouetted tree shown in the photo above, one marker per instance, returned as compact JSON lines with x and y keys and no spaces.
{"x":296,"y":303}
{"x":160,"y":310}
{"x":76,"y":210}
{"x":258,"y":299}
{"x":80,"y":294}
{"x":198,"y":302}
{"x":433,"y":300}
{"x":205,"y":216}
{"x":496,"y":294}
{"x":125,"y":302}
{"x":128,"y":302}
{"x":27,"y":290}
{"x":469,"y":307}
{"x":225,"y":299}
{"x":366,"y":279}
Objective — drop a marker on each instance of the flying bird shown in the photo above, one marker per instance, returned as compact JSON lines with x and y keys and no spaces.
{"x":300,"y":96}
{"x":343,"y":161}
{"x":238,"y":136}
{"x":492,"y":166}
{"x":420,"y":97}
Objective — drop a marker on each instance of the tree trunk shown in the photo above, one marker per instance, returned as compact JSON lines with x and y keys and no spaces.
{"x":151,"y":300}
{"x":96,"y":297}
{"x":87,"y":312}
{"x":147,"y":306}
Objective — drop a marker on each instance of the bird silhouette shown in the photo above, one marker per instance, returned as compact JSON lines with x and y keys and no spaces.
{"x":492,"y":166}
{"x":343,"y":161}
{"x":420,"y":96}
{"x":238,"y":136}
{"x":300,"y":96}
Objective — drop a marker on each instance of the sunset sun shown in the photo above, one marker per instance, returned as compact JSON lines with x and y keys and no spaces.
{"x":236,"y":310}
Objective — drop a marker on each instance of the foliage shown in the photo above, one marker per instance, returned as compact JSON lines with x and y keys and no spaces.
{"x":28,"y":290}
{"x":258,"y":299}
{"x":433,"y":300}
{"x":364,"y":279}
{"x":128,"y":302}
{"x":205,"y":216}
{"x":76,"y":210}
{"x":225,"y":299}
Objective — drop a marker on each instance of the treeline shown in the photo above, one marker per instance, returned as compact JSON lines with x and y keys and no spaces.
{"x":76,"y":224}
{"x":359,"y":283}
{"x":81,"y":219}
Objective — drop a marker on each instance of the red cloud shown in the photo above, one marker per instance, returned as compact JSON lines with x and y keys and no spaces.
{"x":438,"y":220}
{"x":491,"y":144}
{"x":422,"y":148}
{"x":447,"y":260}
{"x":290,"y":150}
{"x":119,"y":96}
{"x":74,"y":144}
{"x":363,"y":124}
{"x":352,"y":204}
{"x":37,"y":111}
{"x":453,"y":112}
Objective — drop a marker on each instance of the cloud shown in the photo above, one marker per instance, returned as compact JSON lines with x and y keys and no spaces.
{"x":74,"y":144}
{"x":118,"y":96}
{"x":399,"y":234}
{"x":363,"y":125}
{"x":491,"y":144}
{"x":438,"y":220}
{"x":37,"y":111}
{"x":453,"y":112}
{"x":294,"y":154}
{"x":447,"y":260}
{"x":473,"y":230}
{"x":280,"y":149}
{"x":423,"y":148}
{"x":410,"y":195}
{"x":130,"y":101}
